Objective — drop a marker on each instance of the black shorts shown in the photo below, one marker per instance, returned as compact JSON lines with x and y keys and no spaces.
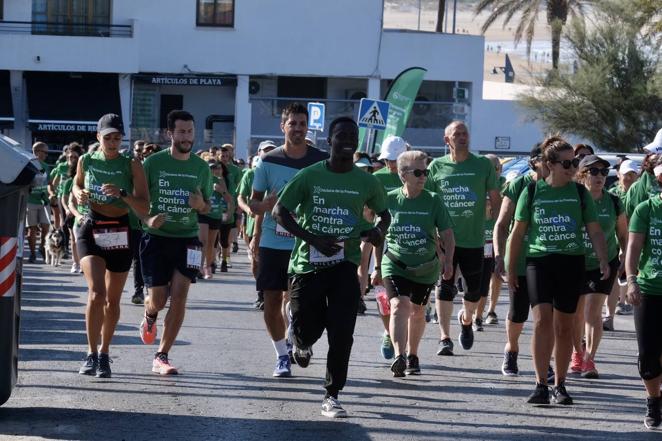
{"x":486,"y":276}
{"x":272,"y":269}
{"x":470,"y":261}
{"x":115,"y":249}
{"x":519,"y":302}
{"x":555,"y":279}
{"x":593,"y":284}
{"x":418,"y":293}
{"x":214,"y":224}
{"x":160,"y":256}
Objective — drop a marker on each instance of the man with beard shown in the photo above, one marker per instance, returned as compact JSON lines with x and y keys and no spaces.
{"x":329,"y":198}
{"x":179,"y":184}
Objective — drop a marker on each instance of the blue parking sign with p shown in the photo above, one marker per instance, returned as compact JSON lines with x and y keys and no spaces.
{"x":316,"y":116}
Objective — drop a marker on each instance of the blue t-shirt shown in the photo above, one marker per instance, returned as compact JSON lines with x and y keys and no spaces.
{"x":272,"y":174}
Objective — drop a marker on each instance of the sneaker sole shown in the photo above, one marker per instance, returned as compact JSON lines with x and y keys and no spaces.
{"x":539,"y":402}
{"x":445,"y":351}
{"x":158,"y":371}
{"x":590,"y":375}
{"x":90,"y":373}
{"x":302,"y":362}
{"x":282,"y":375}
{"x":103,"y":375}
{"x":563,"y":402}
{"x":416,"y":372}
{"x":509,"y":374}
{"x":651,"y":427}
{"x":334,"y":414}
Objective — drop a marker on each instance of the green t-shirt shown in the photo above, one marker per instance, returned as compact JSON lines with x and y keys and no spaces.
{"x":234,"y":176}
{"x":644,"y":188}
{"x":412,"y":233}
{"x":216,"y":201}
{"x":555,"y":219}
{"x":39,"y":190}
{"x":66,"y":191}
{"x":98,"y":171}
{"x":390,"y":181}
{"x":647,"y":220}
{"x":245,"y":189}
{"x":608,"y":212}
{"x":170,"y":182}
{"x":60,"y":169}
{"x":464,"y":186}
{"x":513,"y":191}
{"x":330,"y":204}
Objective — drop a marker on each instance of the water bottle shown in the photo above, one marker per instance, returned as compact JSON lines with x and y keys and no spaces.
{"x":383,"y":303}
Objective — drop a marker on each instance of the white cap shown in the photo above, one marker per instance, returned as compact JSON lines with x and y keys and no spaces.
{"x":658,"y":171}
{"x":628,"y":166}
{"x":392,"y":147}
{"x":656,"y":145}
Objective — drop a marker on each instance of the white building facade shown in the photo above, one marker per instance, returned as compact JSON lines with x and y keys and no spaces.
{"x":232,"y":64}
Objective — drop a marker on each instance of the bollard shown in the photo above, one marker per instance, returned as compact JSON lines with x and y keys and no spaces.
{"x":16,"y":173}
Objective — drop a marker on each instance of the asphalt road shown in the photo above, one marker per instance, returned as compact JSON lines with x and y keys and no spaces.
{"x":225,"y":390}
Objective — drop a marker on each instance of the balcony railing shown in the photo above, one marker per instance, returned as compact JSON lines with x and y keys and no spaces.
{"x":65,"y":29}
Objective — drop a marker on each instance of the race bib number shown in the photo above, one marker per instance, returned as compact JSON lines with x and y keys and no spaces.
{"x":111,"y":238}
{"x":282,"y":232}
{"x":488,"y":250}
{"x":193,"y":258}
{"x":225,"y":217}
{"x":317,"y":258}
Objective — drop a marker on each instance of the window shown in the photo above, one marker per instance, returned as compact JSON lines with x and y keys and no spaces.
{"x":71,"y":17}
{"x":215,"y":13}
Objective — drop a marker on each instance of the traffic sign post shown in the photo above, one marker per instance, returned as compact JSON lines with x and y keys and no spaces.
{"x":316,"y":115}
{"x":373,"y":115}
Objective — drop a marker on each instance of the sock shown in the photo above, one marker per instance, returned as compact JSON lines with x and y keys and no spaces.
{"x":281,"y":347}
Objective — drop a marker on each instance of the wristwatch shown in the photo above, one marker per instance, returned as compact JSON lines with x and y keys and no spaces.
{"x":123,"y":193}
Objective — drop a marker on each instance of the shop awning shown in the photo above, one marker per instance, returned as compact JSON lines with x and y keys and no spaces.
{"x":70,"y":102}
{"x":6,"y":107}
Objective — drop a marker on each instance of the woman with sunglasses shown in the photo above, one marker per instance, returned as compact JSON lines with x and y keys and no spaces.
{"x":409,"y":262}
{"x":553,"y":212}
{"x":593,"y":172}
{"x":111,"y":184}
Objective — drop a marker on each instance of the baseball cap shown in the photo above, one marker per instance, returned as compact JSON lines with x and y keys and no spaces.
{"x":363,"y":162}
{"x":110,"y":123}
{"x":590,"y":160}
{"x":628,"y":166}
{"x":266,"y":144}
{"x":392,"y":147}
{"x":656,"y":145}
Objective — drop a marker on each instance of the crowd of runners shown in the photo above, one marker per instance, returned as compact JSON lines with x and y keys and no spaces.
{"x":322,"y":229}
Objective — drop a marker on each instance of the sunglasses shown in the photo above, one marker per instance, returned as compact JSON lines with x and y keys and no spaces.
{"x":418,"y":173}
{"x":567,"y":163}
{"x":594,"y":171}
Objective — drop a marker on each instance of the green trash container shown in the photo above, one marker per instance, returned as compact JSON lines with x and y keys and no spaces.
{"x":17,"y":170}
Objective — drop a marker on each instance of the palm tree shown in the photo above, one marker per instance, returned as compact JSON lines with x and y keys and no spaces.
{"x":441,"y":9}
{"x":557,"y":16}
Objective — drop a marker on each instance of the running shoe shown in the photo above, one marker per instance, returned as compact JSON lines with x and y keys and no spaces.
{"x":302,"y":356}
{"x":331,"y":408}
{"x":283,"y":366}
{"x":388,"y":351}
{"x":466,"y":333}
{"x":491,"y":318}
{"x":32,"y":258}
{"x":435,"y":319}
{"x":653,"y":417}
{"x":398,"y":366}
{"x":560,"y":395}
{"x":509,"y":367}
{"x":627,"y":309}
{"x":550,"y":375}
{"x":540,"y":395}
{"x":290,"y":349}
{"x":103,"y":371}
{"x":445,"y":347}
{"x":91,"y":364}
{"x":148,"y":330}
{"x":235,"y":247}
{"x":138,"y":298}
{"x":589,"y":370}
{"x":75,"y":268}
{"x":576,"y":362}
{"x":428,"y":312}
{"x":413,"y":366}
{"x":362,"y":307}
{"x":162,"y":366}
{"x":478,"y":325}
{"x":228,"y":262}
{"x":608,"y":323}
{"x":224,"y":266}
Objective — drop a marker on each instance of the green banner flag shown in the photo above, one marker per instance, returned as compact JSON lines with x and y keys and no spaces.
{"x":401,"y":95}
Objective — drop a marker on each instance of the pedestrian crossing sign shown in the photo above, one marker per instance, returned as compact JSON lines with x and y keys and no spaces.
{"x":373,"y":114}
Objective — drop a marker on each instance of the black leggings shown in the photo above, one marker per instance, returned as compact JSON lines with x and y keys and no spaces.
{"x":648,"y":325}
{"x":224,"y":234}
{"x":519,"y":302}
{"x":470,"y":261}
